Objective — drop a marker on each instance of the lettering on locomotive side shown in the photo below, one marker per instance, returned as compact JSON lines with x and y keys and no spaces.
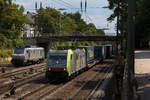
{"x":90,"y":53}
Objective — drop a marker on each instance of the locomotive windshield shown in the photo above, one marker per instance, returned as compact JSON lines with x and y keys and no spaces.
{"x":19,"y":51}
{"x":57,"y":60}
{"x":57,"y":57}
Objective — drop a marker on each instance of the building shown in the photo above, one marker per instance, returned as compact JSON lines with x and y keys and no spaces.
{"x":30,"y":29}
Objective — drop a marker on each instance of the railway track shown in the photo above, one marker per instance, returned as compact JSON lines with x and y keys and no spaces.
{"x":47,"y":89}
{"x":40,"y":72}
{"x":21,"y":82}
{"x":37,"y":91}
{"x":42,"y":91}
{"x":74,"y":89}
{"x":20,"y":70}
{"x":83,"y":85}
{"x":84,"y":93}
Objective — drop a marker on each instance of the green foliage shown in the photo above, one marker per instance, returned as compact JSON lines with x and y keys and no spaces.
{"x":47,"y":20}
{"x":9,"y":52}
{"x":68,"y":25}
{"x":54,"y":45}
{"x":11,"y":22}
{"x":18,"y":43}
{"x":5,"y":53}
{"x":143,"y":23}
{"x":79,"y":21}
{"x":90,"y":29}
{"x":119,"y":8}
{"x":50,"y":21}
{"x":3,"y":41}
{"x":142,"y":19}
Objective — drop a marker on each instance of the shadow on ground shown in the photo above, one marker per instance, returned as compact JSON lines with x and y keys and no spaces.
{"x":143,"y":86}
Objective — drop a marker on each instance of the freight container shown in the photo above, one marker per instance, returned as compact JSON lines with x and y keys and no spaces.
{"x":109,"y":51}
{"x":89,"y":52}
{"x":98,"y":52}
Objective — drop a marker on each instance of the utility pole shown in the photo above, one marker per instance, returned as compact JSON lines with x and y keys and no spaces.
{"x":131,"y":34}
{"x":130,"y":47}
{"x":118,"y":17}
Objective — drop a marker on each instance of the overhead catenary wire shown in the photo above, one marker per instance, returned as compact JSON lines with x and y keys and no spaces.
{"x":61,"y":4}
{"x":91,"y":19}
{"x":83,"y":7}
{"x":67,"y":3}
{"x":69,"y":6}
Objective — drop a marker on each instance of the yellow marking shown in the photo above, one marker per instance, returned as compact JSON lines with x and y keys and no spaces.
{"x":90,"y":53}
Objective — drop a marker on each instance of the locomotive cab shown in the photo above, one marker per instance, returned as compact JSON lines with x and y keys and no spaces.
{"x":18,"y":56}
{"x":25,"y":56}
{"x":56,"y":64}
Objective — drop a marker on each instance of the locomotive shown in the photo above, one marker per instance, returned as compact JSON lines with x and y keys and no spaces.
{"x":66,"y":63}
{"x":27,"y":55}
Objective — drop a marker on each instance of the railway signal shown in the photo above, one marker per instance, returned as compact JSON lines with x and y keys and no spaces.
{"x":12,"y":87}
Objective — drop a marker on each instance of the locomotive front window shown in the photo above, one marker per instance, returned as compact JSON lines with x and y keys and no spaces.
{"x":57,"y":60}
{"x":18,"y":51}
{"x":58,"y":57}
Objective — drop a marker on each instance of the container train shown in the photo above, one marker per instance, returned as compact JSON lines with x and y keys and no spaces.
{"x":65,"y":63}
{"x":27,"y":55}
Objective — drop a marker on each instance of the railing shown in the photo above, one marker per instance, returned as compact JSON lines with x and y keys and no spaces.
{"x":74,"y":38}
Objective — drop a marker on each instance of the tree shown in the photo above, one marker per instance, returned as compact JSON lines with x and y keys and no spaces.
{"x":119,"y":8}
{"x":11,"y":19}
{"x":81,"y":24}
{"x":48,"y":20}
{"x":143,"y":23}
{"x":68,"y":25}
{"x":90,"y":29}
{"x":3,"y":41}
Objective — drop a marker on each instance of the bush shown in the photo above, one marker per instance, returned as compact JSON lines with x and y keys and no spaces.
{"x":5,"y":53}
{"x":3,"y":41}
{"x":18,"y":43}
{"x":9,"y":52}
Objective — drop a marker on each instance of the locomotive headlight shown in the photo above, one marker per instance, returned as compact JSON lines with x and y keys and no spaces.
{"x":64,"y":69}
{"x":49,"y":69}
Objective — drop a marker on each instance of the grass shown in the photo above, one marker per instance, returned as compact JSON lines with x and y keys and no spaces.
{"x":4,"y":61}
{"x":4,"y":54}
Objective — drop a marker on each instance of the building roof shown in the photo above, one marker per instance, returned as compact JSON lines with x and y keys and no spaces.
{"x":30,"y":17}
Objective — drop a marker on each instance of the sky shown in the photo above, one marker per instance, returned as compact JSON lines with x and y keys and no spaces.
{"x":94,"y":14}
